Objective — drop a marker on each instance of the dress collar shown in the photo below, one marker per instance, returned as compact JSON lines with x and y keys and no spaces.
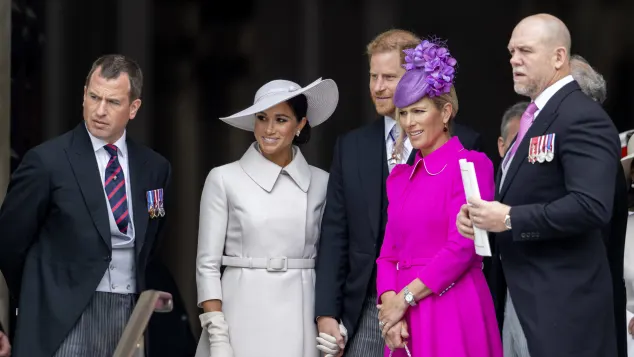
{"x":436,"y":162}
{"x":265,"y":173}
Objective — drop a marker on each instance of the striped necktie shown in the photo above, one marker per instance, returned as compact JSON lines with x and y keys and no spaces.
{"x":114,"y":185}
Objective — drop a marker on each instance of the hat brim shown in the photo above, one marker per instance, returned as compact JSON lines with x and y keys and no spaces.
{"x":322,"y":97}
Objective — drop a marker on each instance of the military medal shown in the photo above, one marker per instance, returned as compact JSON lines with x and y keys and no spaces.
{"x":532,"y":150}
{"x":156,"y":203}
{"x":541,"y":155}
{"x":150,"y":204}
{"x":550,"y":147}
{"x":160,"y":203}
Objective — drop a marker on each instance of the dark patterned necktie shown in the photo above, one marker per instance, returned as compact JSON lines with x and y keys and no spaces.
{"x":115,"y":189}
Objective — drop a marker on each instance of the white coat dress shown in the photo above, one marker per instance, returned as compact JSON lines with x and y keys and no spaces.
{"x":253,"y":208}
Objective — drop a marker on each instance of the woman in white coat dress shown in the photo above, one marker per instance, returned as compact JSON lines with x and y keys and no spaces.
{"x":260,"y":218}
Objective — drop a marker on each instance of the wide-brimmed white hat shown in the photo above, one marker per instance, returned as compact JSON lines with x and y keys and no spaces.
{"x":626,"y":161}
{"x":322,"y":97}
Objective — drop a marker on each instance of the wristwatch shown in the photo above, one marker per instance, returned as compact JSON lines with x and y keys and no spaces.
{"x":409,"y":297}
{"x":507,"y":221}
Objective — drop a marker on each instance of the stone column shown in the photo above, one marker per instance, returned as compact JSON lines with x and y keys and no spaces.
{"x":5,"y":119}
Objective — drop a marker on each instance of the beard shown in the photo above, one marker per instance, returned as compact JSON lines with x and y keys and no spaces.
{"x":385,"y":109}
{"x":526,"y":90}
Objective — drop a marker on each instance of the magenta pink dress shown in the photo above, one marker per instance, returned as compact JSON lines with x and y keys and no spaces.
{"x":421,"y":241}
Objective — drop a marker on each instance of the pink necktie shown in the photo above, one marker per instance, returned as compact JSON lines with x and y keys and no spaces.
{"x":525,"y":123}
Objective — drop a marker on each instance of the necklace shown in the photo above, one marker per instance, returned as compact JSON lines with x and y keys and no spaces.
{"x":425,"y":166}
{"x":441,"y":170}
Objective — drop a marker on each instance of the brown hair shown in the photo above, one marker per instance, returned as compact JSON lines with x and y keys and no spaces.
{"x":392,"y":40}
{"x":111,"y":68}
{"x":439,"y":103}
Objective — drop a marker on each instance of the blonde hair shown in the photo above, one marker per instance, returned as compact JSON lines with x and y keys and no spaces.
{"x":439,"y":102}
{"x":392,"y":40}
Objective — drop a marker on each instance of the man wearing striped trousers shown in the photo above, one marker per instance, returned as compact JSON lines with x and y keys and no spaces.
{"x":81,"y":217}
{"x":356,"y":210}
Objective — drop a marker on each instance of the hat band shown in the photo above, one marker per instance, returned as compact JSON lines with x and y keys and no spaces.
{"x":275,"y":91}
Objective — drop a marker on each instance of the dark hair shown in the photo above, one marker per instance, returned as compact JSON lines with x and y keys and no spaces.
{"x":299,"y":106}
{"x":514,"y":111}
{"x":113,"y":65}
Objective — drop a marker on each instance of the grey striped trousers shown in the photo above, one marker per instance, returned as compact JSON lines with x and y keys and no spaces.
{"x":513,"y":338}
{"x":367,"y":341}
{"x":100,"y":326}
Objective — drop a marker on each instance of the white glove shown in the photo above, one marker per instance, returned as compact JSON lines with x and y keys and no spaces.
{"x":218,"y":330}
{"x":328,"y":344}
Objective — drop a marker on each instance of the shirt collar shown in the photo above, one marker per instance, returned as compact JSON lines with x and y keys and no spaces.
{"x":265,"y":173}
{"x":437,"y":160}
{"x":389,"y":124}
{"x":548,"y":93}
{"x":99,"y":143}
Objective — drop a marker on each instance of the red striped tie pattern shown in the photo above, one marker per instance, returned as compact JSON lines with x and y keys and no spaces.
{"x":114,"y":183}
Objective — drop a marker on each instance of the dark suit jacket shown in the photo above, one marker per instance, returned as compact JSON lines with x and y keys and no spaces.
{"x":55,"y":244}
{"x":351,"y":226}
{"x":555,"y":259}
{"x":354,"y":221}
{"x":614,"y":235}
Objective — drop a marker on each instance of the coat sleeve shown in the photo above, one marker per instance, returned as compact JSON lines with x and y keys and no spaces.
{"x":588,"y":153}
{"x":458,"y":255}
{"x":212,"y":232}
{"x":331,"y":267}
{"x":21,"y":216}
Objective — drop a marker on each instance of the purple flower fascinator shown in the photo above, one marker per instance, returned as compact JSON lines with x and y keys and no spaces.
{"x":430,"y":72}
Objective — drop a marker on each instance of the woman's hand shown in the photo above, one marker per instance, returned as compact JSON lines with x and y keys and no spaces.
{"x":391,"y":312}
{"x":397,"y":336}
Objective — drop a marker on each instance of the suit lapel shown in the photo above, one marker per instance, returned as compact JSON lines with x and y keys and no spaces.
{"x":498,"y":178}
{"x":83,"y":162}
{"x":371,"y":158}
{"x":543,"y":121}
{"x":139,"y":180}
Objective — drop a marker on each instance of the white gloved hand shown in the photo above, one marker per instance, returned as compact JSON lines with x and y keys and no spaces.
{"x":328,"y":344}
{"x":218,"y":330}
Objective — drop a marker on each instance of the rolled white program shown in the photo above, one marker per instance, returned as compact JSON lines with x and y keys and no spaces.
{"x":471,"y":189}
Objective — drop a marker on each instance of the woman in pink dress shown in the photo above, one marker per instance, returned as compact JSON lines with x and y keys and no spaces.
{"x":433,"y":297}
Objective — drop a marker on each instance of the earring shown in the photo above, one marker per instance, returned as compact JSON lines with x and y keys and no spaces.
{"x":297,"y":133}
{"x":445,"y":129}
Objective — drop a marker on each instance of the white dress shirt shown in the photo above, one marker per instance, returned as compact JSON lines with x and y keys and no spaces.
{"x":541,"y":102}
{"x":121,"y":275}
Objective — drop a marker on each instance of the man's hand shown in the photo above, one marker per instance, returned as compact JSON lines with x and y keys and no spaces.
{"x":397,"y":336}
{"x":488,"y":215}
{"x":329,"y":327}
{"x":5,"y":347}
{"x":464,"y":224}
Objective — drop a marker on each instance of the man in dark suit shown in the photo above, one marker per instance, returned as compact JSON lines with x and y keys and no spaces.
{"x":553,"y":201}
{"x":355,"y":215}
{"x":79,"y":223}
